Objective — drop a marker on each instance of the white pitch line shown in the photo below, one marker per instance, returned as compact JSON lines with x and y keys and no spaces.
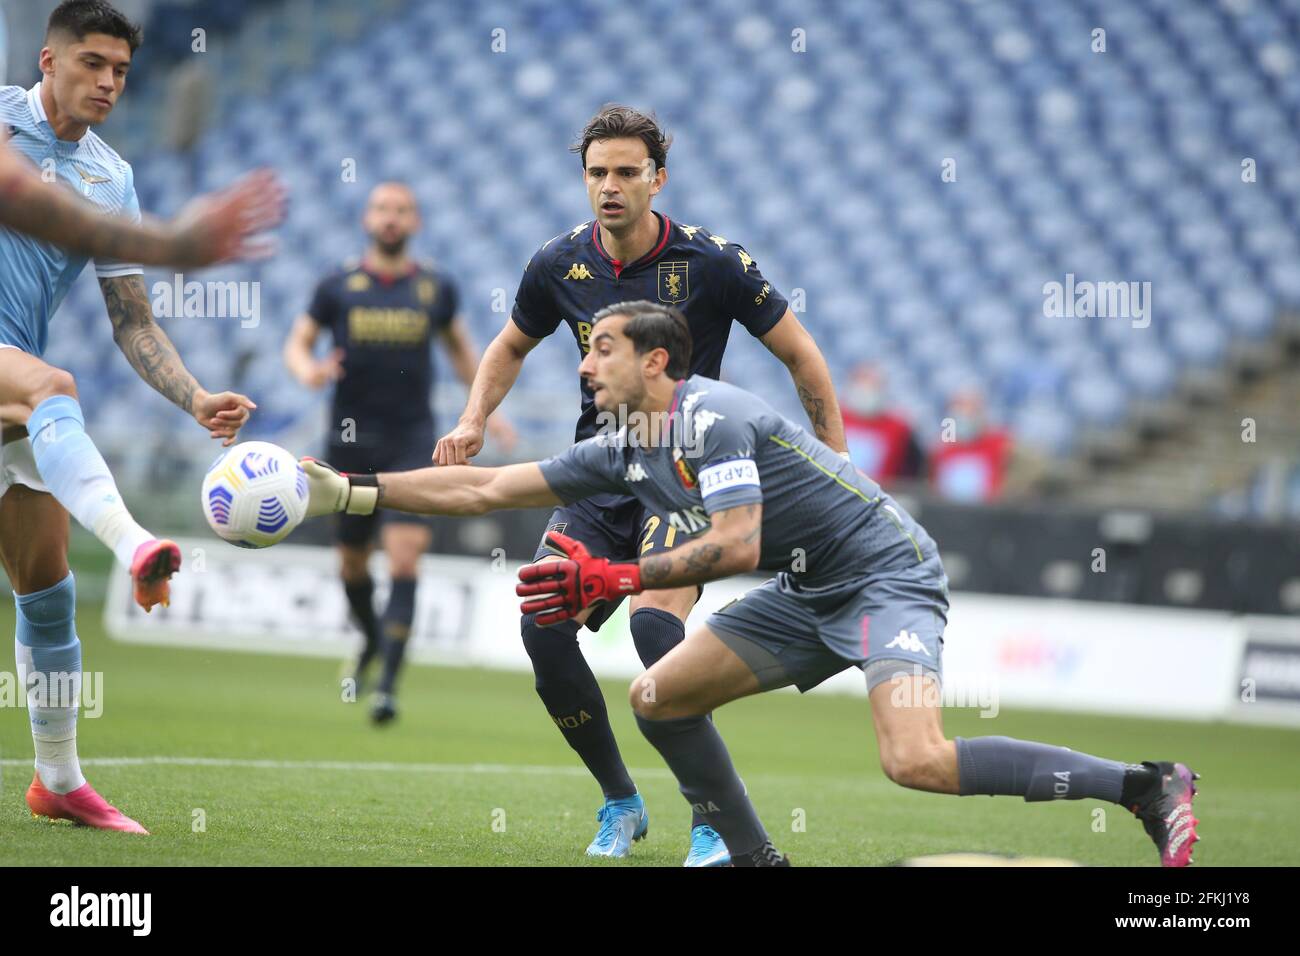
{"x":344,"y":765}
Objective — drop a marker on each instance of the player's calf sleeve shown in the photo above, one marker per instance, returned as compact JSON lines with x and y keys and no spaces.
{"x":397,"y":629}
{"x":361,"y":601}
{"x":77,"y":476}
{"x":1006,"y":766}
{"x":572,"y":697}
{"x":49,"y":668}
{"x":694,"y":751}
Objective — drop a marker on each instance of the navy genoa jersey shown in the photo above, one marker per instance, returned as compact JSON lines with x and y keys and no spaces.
{"x":711,"y":280}
{"x":385,"y":326}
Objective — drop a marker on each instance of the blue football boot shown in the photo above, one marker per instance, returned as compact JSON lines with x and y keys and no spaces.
{"x":707,"y":848}
{"x":622,"y":823}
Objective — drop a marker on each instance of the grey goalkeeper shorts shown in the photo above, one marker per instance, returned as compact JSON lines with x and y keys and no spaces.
{"x":791,"y":634}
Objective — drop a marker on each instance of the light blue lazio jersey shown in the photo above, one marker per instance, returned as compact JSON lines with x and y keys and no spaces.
{"x":35,"y":275}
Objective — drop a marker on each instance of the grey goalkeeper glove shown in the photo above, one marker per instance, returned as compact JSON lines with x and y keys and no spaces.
{"x":330,"y":491}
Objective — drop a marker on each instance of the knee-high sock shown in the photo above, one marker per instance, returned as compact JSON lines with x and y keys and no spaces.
{"x":1022,"y":768}
{"x":361,"y":601}
{"x":655,"y":632}
{"x":78,"y":477}
{"x":572,"y":697}
{"x":397,"y":629}
{"x":49,"y":667}
{"x":694,"y":751}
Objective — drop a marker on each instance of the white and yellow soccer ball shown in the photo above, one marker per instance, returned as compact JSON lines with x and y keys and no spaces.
{"x":254,"y":494}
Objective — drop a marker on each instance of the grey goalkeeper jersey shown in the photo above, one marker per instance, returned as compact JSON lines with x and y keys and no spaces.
{"x":721,"y":447}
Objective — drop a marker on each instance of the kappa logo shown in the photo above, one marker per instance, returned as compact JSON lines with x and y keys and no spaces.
{"x":691,"y":400}
{"x":578,"y":271}
{"x":635,"y":472}
{"x":906,"y":641}
{"x":704,"y":420}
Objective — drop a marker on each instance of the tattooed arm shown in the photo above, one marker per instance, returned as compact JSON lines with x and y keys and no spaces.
{"x":789,"y":341}
{"x":151,"y":353}
{"x":730,"y":546}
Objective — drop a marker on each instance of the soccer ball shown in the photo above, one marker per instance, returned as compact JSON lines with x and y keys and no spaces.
{"x":254,"y":494}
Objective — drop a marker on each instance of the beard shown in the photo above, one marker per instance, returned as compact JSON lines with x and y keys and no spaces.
{"x":394,"y":248}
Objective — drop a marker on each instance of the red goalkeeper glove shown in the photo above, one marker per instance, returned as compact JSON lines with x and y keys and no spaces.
{"x":560,"y":589}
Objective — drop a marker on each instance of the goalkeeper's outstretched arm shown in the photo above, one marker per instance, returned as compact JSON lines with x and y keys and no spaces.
{"x":458,"y":490}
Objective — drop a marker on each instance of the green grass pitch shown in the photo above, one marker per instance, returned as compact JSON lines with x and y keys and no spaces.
{"x":262,"y":751}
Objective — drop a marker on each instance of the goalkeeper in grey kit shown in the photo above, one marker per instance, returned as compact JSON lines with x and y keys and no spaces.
{"x":858,"y":583}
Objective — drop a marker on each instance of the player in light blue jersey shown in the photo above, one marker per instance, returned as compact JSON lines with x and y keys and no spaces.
{"x":53,"y":468}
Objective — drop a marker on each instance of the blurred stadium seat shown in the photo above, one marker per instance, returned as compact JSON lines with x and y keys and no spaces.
{"x":1102,"y":165}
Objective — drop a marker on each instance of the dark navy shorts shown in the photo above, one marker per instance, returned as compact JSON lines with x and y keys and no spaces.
{"x":789,"y":633}
{"x":402,"y":451}
{"x":611,"y":526}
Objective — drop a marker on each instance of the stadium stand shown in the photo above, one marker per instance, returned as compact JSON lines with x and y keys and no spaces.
{"x":1169,"y":158}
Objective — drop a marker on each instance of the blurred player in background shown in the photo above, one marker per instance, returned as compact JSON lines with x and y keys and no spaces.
{"x":383,"y":314}
{"x":871,"y":593}
{"x":630,"y":252}
{"x":58,"y":470}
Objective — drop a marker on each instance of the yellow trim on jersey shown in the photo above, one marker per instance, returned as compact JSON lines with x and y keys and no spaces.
{"x":844,"y":484}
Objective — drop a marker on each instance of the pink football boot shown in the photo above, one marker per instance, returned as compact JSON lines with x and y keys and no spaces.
{"x":82,"y":805}
{"x":154,"y":562}
{"x":1166,"y":813}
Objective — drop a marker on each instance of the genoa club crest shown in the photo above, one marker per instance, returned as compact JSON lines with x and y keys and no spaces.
{"x":674,"y":282}
{"x":685,"y":473}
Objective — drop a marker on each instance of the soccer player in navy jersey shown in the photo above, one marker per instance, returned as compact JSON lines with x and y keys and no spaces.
{"x":49,"y":466}
{"x":629,"y":251}
{"x":383,"y":314}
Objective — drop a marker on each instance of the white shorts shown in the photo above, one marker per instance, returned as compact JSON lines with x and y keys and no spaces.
{"x":18,"y":466}
{"x":17,"y":463}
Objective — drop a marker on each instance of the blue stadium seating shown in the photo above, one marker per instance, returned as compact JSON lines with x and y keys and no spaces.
{"x":1123,"y":165}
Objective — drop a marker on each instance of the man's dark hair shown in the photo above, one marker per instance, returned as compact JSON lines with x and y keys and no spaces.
{"x":623,"y":122}
{"x":80,"y":18}
{"x":653,"y":326}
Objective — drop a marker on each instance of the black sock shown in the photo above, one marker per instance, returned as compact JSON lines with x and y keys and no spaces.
{"x":694,"y":751}
{"x":655,"y":632}
{"x":361,"y":600}
{"x":397,"y":628}
{"x":572,"y":697}
{"x":1025,"y":768}
{"x":1138,"y":781}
